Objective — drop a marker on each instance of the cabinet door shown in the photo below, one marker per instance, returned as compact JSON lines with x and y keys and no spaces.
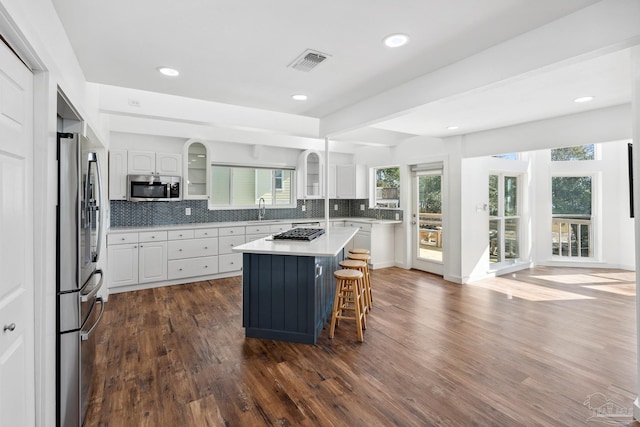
{"x":123,"y":265}
{"x":117,"y":175}
{"x":169,"y":164}
{"x":362,"y":240}
{"x":345,"y":182}
{"x":141,"y":162}
{"x":153,"y":262}
{"x":196,"y":164}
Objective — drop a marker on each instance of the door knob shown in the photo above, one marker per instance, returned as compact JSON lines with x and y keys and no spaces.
{"x":10,"y":328}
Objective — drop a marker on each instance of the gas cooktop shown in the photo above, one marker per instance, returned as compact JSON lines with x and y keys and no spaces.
{"x":306,"y":234}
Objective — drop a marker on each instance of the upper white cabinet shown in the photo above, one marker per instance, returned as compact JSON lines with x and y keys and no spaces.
{"x":351,"y":182}
{"x":196,"y":158}
{"x":118,"y":175}
{"x":152,"y":163}
{"x":310,"y":175}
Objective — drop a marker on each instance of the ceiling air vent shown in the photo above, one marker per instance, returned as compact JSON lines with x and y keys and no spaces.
{"x":308,"y":60}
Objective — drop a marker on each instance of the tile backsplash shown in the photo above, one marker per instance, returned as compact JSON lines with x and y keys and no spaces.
{"x":143,"y":214}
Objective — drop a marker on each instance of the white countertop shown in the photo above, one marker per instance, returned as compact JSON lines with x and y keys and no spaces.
{"x":247,"y":223}
{"x":329,"y":244}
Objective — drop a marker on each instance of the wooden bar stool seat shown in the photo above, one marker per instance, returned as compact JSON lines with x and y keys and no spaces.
{"x":367,"y":276}
{"x":359,"y":251}
{"x":348,"y":298}
{"x":361,"y":266}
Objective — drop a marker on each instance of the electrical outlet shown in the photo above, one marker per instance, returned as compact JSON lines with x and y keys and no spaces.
{"x":361,"y":207}
{"x":397,"y":216}
{"x":134,"y":102}
{"x":335,"y":207}
{"x":304,"y":208}
{"x":187,"y":211}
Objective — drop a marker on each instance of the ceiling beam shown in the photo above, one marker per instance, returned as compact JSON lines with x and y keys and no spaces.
{"x":598,"y":29}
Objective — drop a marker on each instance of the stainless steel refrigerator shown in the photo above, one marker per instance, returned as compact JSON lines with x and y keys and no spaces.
{"x":79,"y":308}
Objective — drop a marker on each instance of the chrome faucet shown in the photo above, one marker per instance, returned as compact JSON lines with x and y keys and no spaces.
{"x":378,"y":212}
{"x":262,"y":209}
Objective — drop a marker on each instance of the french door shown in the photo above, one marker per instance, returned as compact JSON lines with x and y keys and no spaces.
{"x":427,"y":218}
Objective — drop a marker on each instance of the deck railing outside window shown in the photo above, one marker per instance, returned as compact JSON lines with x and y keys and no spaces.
{"x":571,"y":235}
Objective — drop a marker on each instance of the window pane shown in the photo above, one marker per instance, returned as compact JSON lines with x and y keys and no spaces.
{"x":580,"y":152}
{"x":494,"y":241}
{"x":243,"y":187}
{"x":220,"y":185}
{"x":493,"y":195}
{"x":388,"y":187}
{"x":283,"y":194}
{"x":571,"y":195}
{"x":510,"y":196}
{"x":263,"y":186}
{"x":511,"y":244}
{"x":508,"y":156}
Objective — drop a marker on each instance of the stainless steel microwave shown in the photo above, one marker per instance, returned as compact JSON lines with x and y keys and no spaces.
{"x":153,"y":188}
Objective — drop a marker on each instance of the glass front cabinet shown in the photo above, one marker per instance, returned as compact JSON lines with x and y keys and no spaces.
{"x":310,"y":175}
{"x":196,"y":167}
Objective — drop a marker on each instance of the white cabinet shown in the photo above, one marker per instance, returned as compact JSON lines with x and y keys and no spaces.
{"x":192,"y":253}
{"x":196,"y":158}
{"x":310,"y":175}
{"x":151,"y":163}
{"x":378,"y":238}
{"x":351,"y":182}
{"x":122,"y":259}
{"x":118,"y":175}
{"x":152,"y":262}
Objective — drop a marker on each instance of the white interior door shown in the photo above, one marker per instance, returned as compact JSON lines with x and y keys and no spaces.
{"x":428,"y":219}
{"x":17,"y":387}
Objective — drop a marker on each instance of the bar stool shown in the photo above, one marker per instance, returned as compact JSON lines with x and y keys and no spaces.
{"x":348,"y":298}
{"x":367,"y":276}
{"x":359,"y":251}
{"x":361,"y":266}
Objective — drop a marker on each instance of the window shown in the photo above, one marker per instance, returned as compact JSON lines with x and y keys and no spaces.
{"x":579,"y":152}
{"x":240,"y":186}
{"x":504,"y":218}
{"x":387,"y":187}
{"x":571,"y":200}
{"x":508,"y":156}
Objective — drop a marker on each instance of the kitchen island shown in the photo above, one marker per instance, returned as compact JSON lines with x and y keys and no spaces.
{"x":288,"y":285}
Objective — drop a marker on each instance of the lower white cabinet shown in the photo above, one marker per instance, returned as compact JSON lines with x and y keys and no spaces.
{"x":152,"y":262}
{"x":378,"y":239}
{"x":192,"y":267}
{"x":123,"y":264}
{"x":229,"y":262}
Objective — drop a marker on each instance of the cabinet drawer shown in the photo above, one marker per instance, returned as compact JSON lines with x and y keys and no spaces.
{"x":205,"y":232}
{"x":231,"y":231}
{"x":278,"y":228}
{"x":180,"y":234}
{"x":121,"y":238}
{"x":179,"y":249}
{"x":360,"y":225}
{"x":258,"y":229}
{"x":337,"y":223}
{"x":192,"y":267}
{"x":152,"y":236}
{"x":230,"y":262}
{"x":228,"y":242}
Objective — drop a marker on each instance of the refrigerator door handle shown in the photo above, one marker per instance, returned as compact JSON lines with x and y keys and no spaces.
{"x":93,"y":158}
{"x":95,"y":289}
{"x":84,"y":335}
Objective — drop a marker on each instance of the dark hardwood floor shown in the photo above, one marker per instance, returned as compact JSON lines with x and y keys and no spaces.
{"x":526,"y":349}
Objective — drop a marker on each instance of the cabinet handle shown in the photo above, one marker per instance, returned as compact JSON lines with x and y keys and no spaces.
{"x":206,"y":247}
{"x":206,"y":266}
{"x":231,"y":232}
{"x":231,"y":263}
{"x":179,"y":269}
{"x":123,"y":239}
{"x":10,"y":327}
{"x":135,"y":246}
{"x":153,"y":237}
{"x":179,"y":235}
{"x":180,"y":250}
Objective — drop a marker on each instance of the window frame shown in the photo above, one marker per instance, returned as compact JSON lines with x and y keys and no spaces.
{"x":271,"y":203}
{"x":502,"y":218}
{"x":374,"y":187}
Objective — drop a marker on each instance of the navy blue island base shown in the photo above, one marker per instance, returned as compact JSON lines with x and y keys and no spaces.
{"x":287,"y":297}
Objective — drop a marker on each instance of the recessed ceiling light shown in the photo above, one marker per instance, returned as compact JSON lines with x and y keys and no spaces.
{"x":452,"y":127}
{"x":583,"y":99}
{"x":171,"y":72}
{"x":299,"y":97}
{"x":396,"y":40}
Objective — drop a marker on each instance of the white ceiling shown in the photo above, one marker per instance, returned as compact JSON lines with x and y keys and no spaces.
{"x":237,"y":52}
